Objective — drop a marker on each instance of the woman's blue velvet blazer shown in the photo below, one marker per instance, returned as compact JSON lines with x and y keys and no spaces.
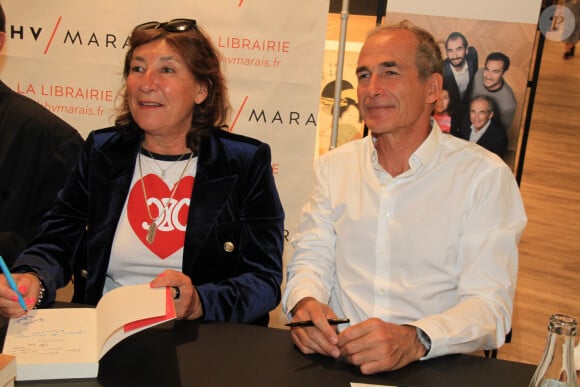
{"x":234,"y":200}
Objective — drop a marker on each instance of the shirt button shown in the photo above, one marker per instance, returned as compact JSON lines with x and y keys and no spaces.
{"x":381,"y":291}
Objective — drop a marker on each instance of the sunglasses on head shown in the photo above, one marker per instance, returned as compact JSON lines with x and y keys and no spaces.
{"x":175,"y":25}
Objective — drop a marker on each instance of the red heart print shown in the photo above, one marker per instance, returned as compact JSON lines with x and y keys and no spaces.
{"x":172,"y":223}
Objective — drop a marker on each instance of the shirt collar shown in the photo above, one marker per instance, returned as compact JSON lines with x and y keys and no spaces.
{"x":427,"y":150}
{"x":422,"y":155}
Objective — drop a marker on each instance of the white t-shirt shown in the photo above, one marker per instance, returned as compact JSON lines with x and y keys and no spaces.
{"x":461,"y":78}
{"x":133,"y":259}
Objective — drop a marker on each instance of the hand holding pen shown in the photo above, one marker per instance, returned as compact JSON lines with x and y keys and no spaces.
{"x":12,"y":284}
{"x":310,"y":337}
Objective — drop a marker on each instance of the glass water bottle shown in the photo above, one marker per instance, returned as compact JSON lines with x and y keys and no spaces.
{"x":557,"y":369}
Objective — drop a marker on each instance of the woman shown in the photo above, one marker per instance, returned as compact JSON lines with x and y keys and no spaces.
{"x":165,"y":196}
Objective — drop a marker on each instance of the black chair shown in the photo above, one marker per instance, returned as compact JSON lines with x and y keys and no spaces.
{"x":492,"y":353}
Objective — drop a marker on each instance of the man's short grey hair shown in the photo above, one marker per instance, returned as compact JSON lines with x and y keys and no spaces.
{"x":429,"y":59}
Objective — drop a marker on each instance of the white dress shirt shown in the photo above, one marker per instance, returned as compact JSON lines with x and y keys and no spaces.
{"x":435,"y":247}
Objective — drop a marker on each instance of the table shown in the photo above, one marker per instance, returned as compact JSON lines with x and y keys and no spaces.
{"x":187,"y":353}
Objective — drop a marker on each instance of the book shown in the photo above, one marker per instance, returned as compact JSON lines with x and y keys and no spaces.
{"x":67,"y":343}
{"x":7,"y":370}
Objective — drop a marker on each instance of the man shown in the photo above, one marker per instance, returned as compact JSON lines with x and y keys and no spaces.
{"x":459,"y":68}
{"x":37,"y":151}
{"x":410,"y":233}
{"x":490,"y":81}
{"x":484,"y":130}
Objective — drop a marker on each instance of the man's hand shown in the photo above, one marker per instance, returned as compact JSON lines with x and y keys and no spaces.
{"x":374,"y":345}
{"x":322,"y":337}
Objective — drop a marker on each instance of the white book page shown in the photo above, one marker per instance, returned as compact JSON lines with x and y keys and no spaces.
{"x":68,"y":342}
{"x":53,"y":335}
{"x":124,"y":305}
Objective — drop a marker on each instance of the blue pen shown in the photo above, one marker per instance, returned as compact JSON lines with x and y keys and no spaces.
{"x":8,"y":276}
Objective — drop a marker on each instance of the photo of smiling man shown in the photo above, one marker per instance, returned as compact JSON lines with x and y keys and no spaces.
{"x":459,"y":69}
{"x":490,"y":81}
{"x":484,"y":129}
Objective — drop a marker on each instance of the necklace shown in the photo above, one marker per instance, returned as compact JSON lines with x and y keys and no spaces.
{"x":163,"y":171}
{"x":152,"y":228}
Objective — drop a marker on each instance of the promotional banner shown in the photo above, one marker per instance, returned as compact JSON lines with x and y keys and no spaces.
{"x":68,"y":57}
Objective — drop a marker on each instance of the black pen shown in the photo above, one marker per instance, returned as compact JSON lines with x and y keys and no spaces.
{"x":309,"y":323}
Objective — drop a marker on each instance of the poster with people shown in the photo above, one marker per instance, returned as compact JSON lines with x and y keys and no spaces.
{"x":487,"y":55}
{"x":487,"y":52}
{"x":480,"y":64}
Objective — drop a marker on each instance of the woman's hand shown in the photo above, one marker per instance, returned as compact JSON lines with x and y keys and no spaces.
{"x":28,"y":286}
{"x":186,"y":300}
